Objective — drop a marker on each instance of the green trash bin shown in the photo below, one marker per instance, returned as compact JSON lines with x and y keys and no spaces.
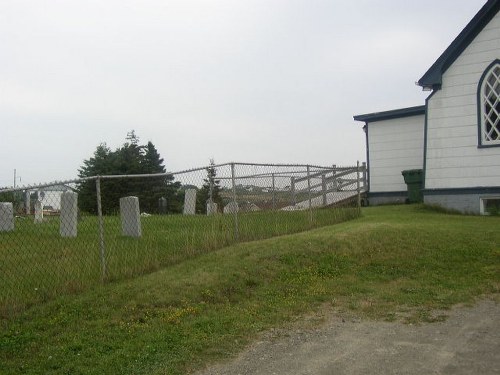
{"x":414,"y":179}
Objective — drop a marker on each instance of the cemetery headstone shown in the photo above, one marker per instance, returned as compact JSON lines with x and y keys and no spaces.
{"x":130,"y":216}
{"x":231,"y":208}
{"x":68,"y":219}
{"x":189,"y":202}
{"x":38,"y":212}
{"x":6,"y":217}
{"x":211,"y":208}
{"x":162,"y":206}
{"x":27,"y":203}
{"x":250,"y":207}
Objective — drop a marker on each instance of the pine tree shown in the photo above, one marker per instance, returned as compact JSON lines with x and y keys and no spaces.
{"x":210,"y":191}
{"x":156,"y":187}
{"x":99,"y":164}
{"x":130,"y":159}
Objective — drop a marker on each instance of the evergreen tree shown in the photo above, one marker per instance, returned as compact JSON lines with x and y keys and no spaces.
{"x":130,"y":159}
{"x":99,"y":164}
{"x":210,"y":191}
{"x":157,"y":187}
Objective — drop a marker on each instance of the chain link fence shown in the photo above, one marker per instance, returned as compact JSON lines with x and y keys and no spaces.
{"x":65,"y":237}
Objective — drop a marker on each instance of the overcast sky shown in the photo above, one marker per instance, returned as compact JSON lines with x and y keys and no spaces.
{"x":269,"y":81}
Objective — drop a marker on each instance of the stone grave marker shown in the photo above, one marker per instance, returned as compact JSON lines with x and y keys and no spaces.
{"x":130,"y":216}
{"x":162,"y":206}
{"x":68,"y":219}
{"x":6,"y":217}
{"x":189,"y":202}
{"x":231,"y":208}
{"x":27,"y":203}
{"x":38,"y":212}
{"x":211,"y":208}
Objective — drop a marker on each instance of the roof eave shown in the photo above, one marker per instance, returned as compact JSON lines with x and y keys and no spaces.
{"x":393,"y":114}
{"x":432,"y":79}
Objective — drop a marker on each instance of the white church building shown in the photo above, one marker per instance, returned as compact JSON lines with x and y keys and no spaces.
{"x":455,"y":137}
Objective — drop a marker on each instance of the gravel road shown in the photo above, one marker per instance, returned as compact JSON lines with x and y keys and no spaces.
{"x":468,"y":342}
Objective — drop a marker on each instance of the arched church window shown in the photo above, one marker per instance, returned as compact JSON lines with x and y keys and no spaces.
{"x":489,"y":106}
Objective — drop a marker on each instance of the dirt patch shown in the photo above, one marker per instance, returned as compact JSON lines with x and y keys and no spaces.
{"x":468,"y":342}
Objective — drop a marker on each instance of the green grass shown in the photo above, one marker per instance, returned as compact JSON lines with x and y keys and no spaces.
{"x":36,"y":264}
{"x":400,"y":262}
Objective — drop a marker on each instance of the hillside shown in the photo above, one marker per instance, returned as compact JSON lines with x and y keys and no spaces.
{"x":395,"y":263}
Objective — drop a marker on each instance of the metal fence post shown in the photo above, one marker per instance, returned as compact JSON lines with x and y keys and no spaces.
{"x":233,"y":179}
{"x":292,"y":189}
{"x":102,"y":249}
{"x":334,"y":172}
{"x":323,"y":188}
{"x":309,"y":194}
{"x":358,"y":185}
{"x":211,"y":187}
{"x":274,"y":194}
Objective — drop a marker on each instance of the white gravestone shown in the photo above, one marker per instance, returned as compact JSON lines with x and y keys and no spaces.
{"x":231,"y":208}
{"x":38,"y":212}
{"x":190,"y":202}
{"x":211,"y":208}
{"x":27,"y":197}
{"x":130,"y":216}
{"x":69,"y":214}
{"x":162,"y":206}
{"x":6,"y":217}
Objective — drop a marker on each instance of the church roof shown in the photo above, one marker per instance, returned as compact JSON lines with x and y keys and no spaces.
{"x":432,"y":79}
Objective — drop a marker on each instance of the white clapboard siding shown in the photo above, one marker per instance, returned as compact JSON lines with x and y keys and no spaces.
{"x":454,"y":159}
{"x":459,"y":131}
{"x":458,"y":122}
{"x":473,"y":161}
{"x":394,"y":145}
{"x":380,"y":140}
{"x":454,"y":152}
{"x":411,"y":154}
{"x":444,"y":142}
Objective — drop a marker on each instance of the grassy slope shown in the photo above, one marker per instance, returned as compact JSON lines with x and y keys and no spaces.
{"x":37,"y":264}
{"x":394,"y":262}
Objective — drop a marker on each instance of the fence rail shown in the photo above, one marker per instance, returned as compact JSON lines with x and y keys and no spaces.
{"x":64,"y":237}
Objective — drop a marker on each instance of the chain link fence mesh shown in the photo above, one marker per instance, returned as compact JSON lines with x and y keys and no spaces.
{"x":66,"y":237}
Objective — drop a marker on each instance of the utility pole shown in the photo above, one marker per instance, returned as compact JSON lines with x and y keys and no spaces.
{"x":14,"y":177}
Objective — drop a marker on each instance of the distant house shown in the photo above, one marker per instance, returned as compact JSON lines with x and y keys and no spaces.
{"x":49,"y":196}
{"x":455,"y":136}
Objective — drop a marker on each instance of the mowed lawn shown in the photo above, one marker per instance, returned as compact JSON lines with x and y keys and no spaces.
{"x":395,"y":262}
{"x":37,"y":264}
